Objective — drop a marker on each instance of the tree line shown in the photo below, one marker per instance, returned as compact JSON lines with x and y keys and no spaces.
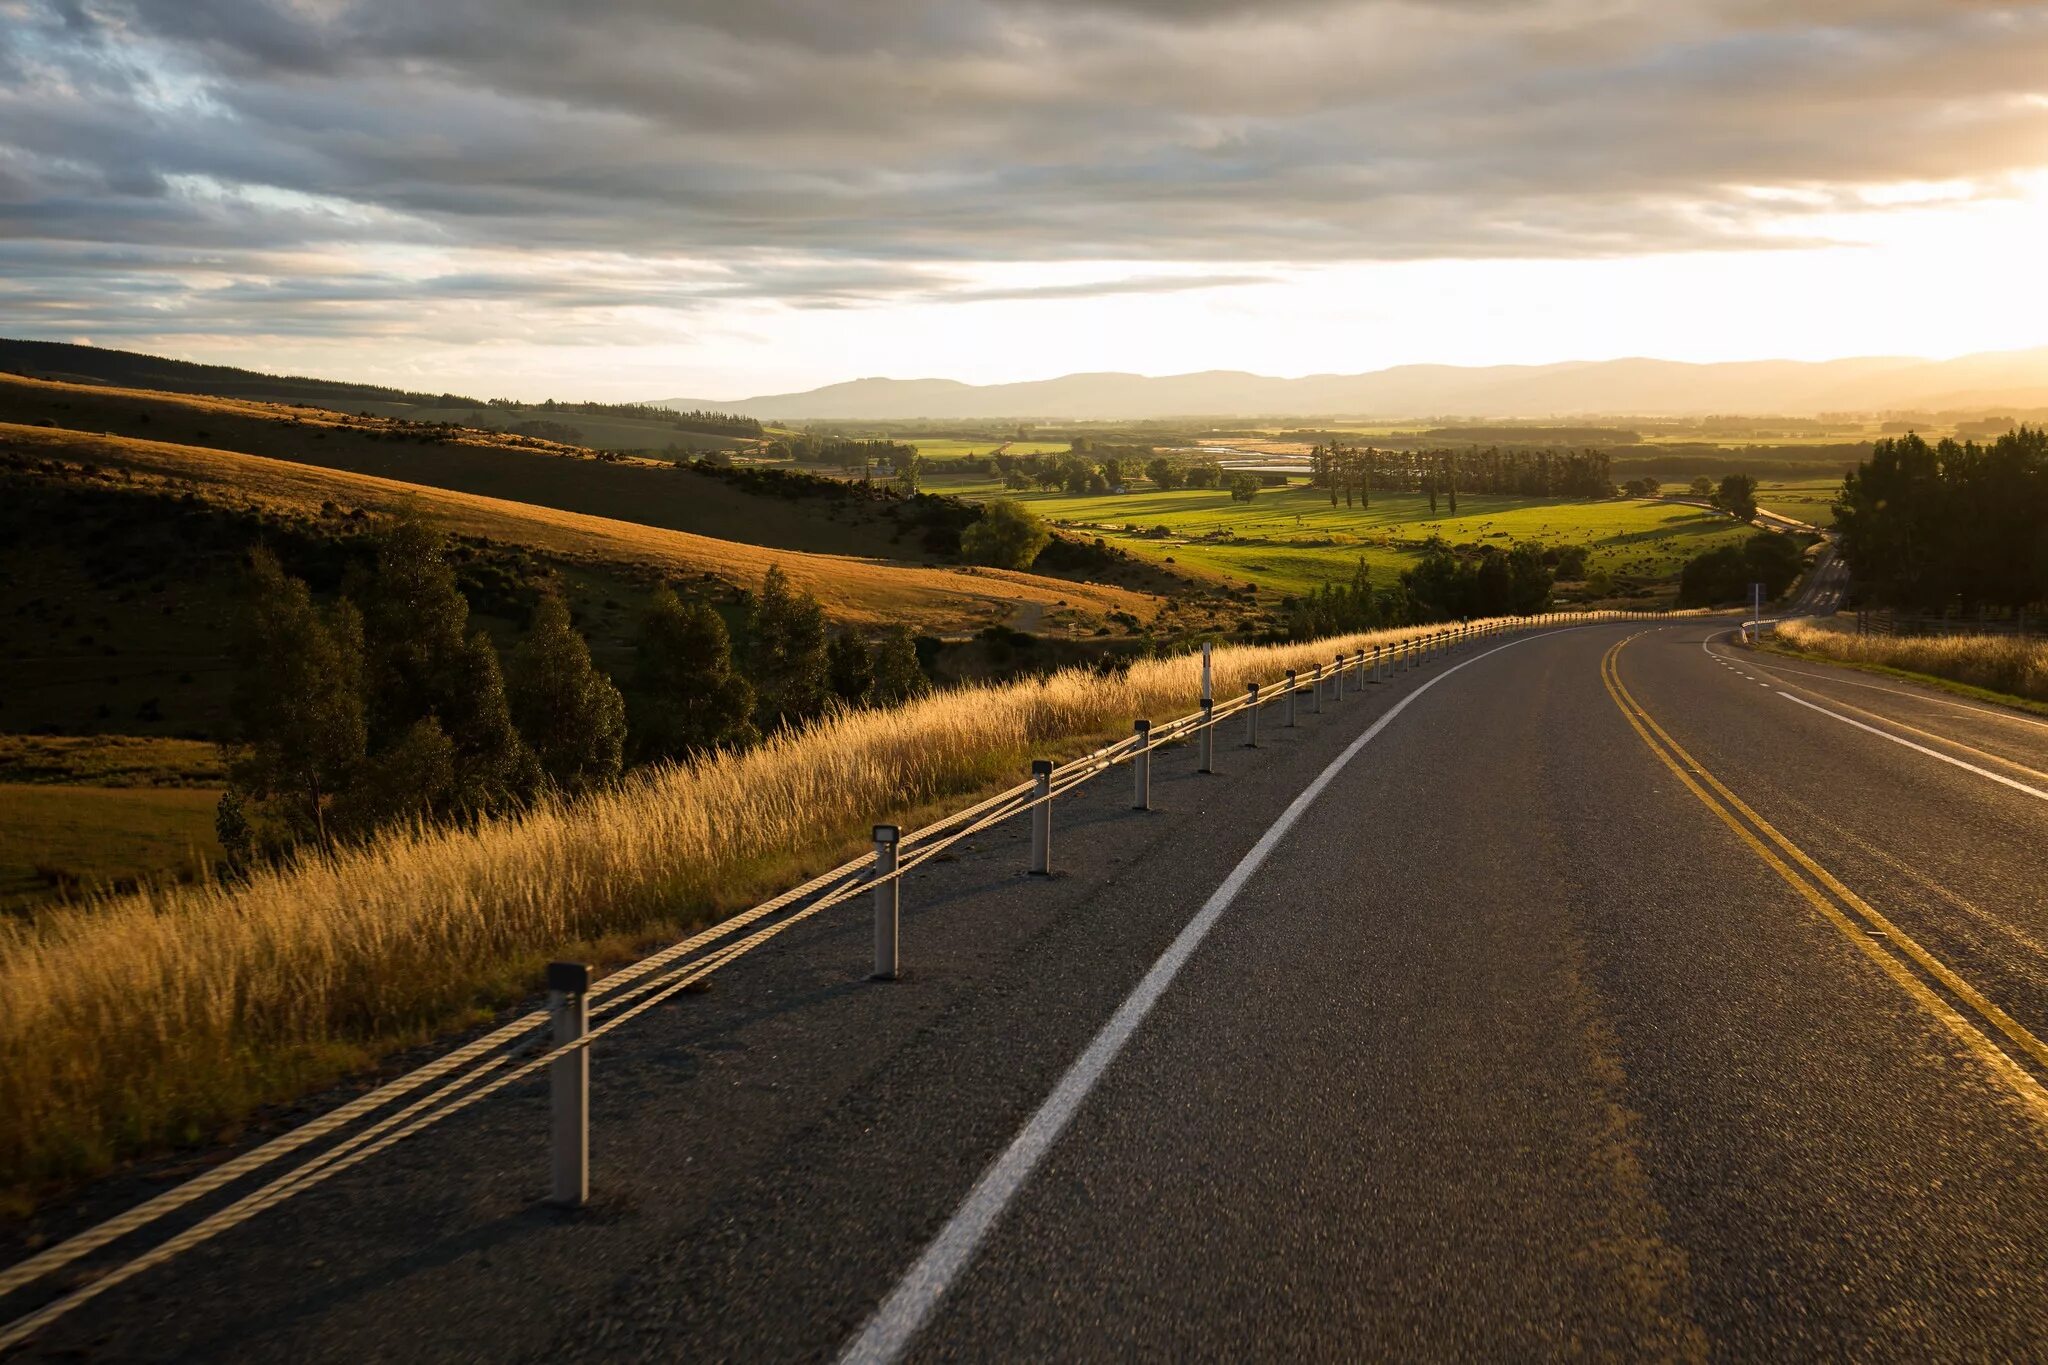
{"x":386,"y":707}
{"x":702,"y":420}
{"x":844,"y":451}
{"x":1359,"y":470}
{"x":1950,"y":525}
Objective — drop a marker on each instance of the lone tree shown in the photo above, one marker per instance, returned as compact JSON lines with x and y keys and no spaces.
{"x":850,"y":667}
{"x":420,"y":664}
{"x":1244,"y":487}
{"x":1163,"y":472}
{"x":297,"y":699}
{"x":910,"y":474}
{"x":1737,"y":496}
{"x":1008,"y":536}
{"x":569,"y":712}
{"x":787,"y":653}
{"x":686,"y":697}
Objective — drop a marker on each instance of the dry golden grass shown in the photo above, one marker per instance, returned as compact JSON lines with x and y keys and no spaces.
{"x":851,"y":588}
{"x":156,"y":1017}
{"x":1995,"y":663}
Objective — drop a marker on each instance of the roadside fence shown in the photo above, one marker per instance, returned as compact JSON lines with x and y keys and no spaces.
{"x":559,"y":1039}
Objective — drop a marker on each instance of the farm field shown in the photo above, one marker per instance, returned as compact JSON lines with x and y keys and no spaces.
{"x":938,"y":600}
{"x":950,"y":448}
{"x":66,"y":840}
{"x":1290,"y":540}
{"x":1809,"y":500}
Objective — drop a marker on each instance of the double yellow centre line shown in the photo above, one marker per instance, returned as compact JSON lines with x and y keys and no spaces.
{"x":1836,"y":903}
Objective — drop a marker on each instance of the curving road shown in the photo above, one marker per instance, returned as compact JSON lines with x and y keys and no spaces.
{"x":1619,"y":992}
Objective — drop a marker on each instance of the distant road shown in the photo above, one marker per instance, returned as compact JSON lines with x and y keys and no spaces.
{"x":1626,"y":994}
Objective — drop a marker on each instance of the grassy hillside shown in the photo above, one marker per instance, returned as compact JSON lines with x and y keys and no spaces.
{"x":131,"y":369}
{"x":98,"y":367}
{"x":783,"y":515}
{"x":594,"y":431}
{"x":864,"y":590}
{"x":523,"y":469}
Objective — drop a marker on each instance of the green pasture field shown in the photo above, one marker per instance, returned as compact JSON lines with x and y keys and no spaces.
{"x":1809,"y":500}
{"x":1290,"y":540}
{"x":111,"y":760}
{"x":951,"y":448}
{"x":58,"y":841}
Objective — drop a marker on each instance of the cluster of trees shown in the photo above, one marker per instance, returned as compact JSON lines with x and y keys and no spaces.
{"x":1951,"y":525}
{"x":1444,"y":586}
{"x":698,"y":420}
{"x":387,"y":708}
{"x":1448,"y":586}
{"x":1008,"y":536}
{"x":1081,"y":472}
{"x":1735,"y":495}
{"x":1526,"y":473}
{"x":1724,"y":575}
{"x":844,"y":451}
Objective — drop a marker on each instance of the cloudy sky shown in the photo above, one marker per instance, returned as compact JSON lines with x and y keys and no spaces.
{"x":717,"y":198}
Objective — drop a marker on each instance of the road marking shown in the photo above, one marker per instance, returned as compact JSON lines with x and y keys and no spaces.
{"x":1685,"y":767}
{"x":2001,"y":778}
{"x":1937,"y":737}
{"x":1893,"y":691}
{"x":896,"y":1322}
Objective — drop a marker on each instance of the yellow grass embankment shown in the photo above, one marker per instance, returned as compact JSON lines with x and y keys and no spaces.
{"x":158,"y":1017}
{"x":1995,"y":663}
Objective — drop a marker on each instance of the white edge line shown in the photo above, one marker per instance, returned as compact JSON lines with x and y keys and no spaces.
{"x":1922,"y":695}
{"x":2035,"y":792}
{"x":897,"y":1321}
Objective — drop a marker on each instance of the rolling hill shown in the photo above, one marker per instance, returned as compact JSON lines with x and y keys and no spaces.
{"x":558,"y":499}
{"x":1635,"y":387}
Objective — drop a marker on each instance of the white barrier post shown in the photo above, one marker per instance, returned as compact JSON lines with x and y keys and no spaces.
{"x":1290,"y":699}
{"x":1358,"y":669}
{"x":888,"y":905}
{"x":1377,"y":676}
{"x":569,"y":1085}
{"x":1041,"y":817}
{"x":1208,"y":743}
{"x":1337,"y":671}
{"x":1315,"y":683}
{"x":1141,"y":767}
{"x":1251,"y":716}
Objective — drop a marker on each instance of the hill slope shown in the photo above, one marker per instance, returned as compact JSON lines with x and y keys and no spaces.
{"x":856,"y":589}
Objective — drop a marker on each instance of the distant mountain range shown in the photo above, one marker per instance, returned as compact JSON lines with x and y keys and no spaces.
{"x":1642,"y":388}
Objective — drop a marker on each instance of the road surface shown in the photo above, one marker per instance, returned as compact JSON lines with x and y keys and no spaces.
{"x":1623,"y":994}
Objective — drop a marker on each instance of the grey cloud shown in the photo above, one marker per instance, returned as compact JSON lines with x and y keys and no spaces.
{"x":830,"y":153}
{"x":1090,"y":289}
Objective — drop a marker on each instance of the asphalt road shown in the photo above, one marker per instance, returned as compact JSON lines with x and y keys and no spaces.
{"x":1625,"y":994}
